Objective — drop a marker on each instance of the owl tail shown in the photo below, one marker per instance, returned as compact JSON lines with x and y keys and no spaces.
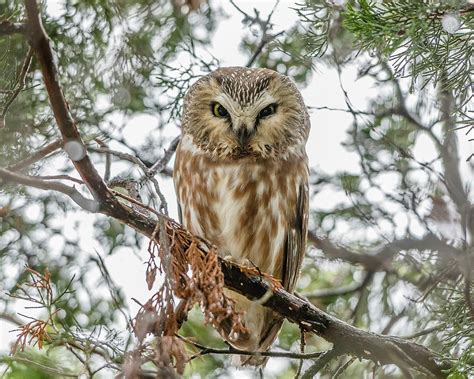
{"x":263,"y":326}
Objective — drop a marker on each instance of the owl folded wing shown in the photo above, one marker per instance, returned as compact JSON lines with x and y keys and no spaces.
{"x":296,"y":239}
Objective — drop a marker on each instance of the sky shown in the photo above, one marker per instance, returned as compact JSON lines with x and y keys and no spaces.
{"x":324,"y":145}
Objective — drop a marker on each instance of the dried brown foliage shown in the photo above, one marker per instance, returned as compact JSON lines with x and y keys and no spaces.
{"x":194,"y":276}
{"x":35,"y":330}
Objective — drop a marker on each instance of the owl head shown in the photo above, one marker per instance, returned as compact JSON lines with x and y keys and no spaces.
{"x":238,"y":112}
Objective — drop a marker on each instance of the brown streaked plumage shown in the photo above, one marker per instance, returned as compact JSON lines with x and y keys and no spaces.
{"x":241,"y":179}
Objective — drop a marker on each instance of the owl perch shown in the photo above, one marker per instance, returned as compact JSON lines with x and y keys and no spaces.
{"x":345,"y":338}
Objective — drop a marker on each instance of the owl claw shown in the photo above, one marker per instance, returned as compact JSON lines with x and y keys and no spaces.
{"x":242,"y":262}
{"x":247,"y":263}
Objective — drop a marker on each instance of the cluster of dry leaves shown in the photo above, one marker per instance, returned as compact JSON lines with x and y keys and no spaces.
{"x":35,"y":331}
{"x":193,"y":276}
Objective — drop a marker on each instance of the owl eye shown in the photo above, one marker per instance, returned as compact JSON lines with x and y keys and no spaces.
{"x":267,"y":111}
{"x":219,"y":111}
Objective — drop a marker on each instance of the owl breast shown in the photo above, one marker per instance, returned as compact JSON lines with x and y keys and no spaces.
{"x":244,"y":207}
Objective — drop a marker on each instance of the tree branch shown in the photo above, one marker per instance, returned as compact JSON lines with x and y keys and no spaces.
{"x":39,"y":41}
{"x":37,"y":182}
{"x":35,"y":157}
{"x":275,"y":354}
{"x":160,"y":165}
{"x":380,"y":259}
{"x":20,"y":84}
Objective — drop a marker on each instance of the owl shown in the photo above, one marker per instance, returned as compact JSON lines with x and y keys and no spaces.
{"x":241,"y":179}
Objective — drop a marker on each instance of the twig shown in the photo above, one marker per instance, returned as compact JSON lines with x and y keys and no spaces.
{"x":114,"y":292}
{"x":125,"y":156}
{"x":108,"y":161}
{"x":337,"y":291}
{"x":144,"y":168}
{"x":35,"y":157}
{"x":343,"y":368}
{"x":48,"y":369}
{"x":11,"y":318}
{"x":266,"y":38}
{"x":20,"y":84}
{"x":232,"y":351}
{"x":264,"y":26}
{"x":328,"y":356}
{"x":55,"y":177}
{"x":160,"y":165}
{"x":32,"y":181}
{"x":424,"y":332}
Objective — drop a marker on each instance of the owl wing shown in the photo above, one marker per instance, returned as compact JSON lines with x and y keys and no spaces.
{"x":296,"y":239}
{"x":180,"y":213}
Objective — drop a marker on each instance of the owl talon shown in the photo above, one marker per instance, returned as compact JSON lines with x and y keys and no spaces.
{"x":244,"y":262}
{"x":248,"y":263}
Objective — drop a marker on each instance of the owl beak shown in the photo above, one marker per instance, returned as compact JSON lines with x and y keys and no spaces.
{"x":244,"y":135}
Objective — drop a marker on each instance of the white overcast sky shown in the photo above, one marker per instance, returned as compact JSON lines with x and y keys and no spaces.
{"x":324,"y":146}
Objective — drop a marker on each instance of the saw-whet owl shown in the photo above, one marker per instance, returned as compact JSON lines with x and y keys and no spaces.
{"x":241,"y":179}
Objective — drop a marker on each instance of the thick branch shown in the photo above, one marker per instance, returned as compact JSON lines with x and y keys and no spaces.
{"x":39,"y":41}
{"x":347,"y":339}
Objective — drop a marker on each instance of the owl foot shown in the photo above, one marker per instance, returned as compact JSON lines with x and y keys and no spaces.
{"x":243,"y":262}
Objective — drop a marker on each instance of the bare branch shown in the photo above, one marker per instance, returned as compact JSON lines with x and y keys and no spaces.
{"x":11,"y":318}
{"x":60,"y":177}
{"x":424,"y":332}
{"x":264,"y":25}
{"x":231,"y":351}
{"x":380,"y":259}
{"x":336,"y":291}
{"x":266,"y":38}
{"x":35,"y":157}
{"x":36,"y":182}
{"x":320,"y":363}
{"x":51,"y":370}
{"x":125,"y":156}
{"x":19,"y":85}
{"x":159,"y":166}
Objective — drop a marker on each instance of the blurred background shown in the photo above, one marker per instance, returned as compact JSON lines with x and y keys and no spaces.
{"x":389,"y":90}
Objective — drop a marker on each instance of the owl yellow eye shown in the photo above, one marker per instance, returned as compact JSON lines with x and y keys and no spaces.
{"x":219,"y":111}
{"x":267,"y":111}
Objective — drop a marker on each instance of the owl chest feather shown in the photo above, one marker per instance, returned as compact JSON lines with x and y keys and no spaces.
{"x":244,"y":207}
